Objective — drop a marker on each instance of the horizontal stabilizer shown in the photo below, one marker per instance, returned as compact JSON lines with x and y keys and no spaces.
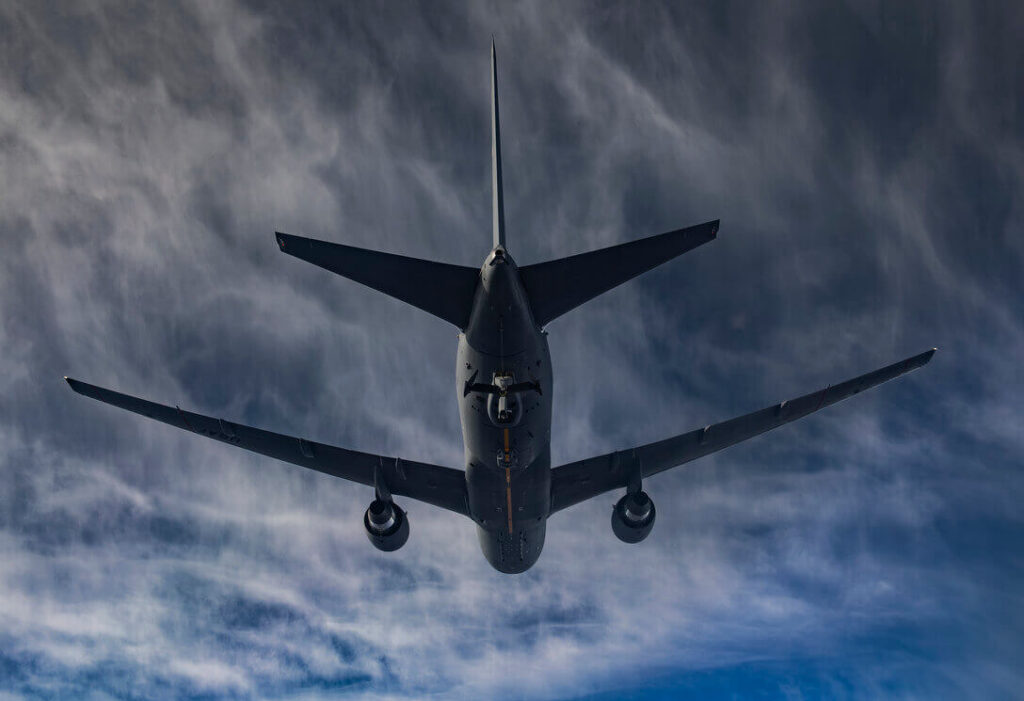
{"x":444,"y":290}
{"x":559,"y":285}
{"x":575,"y":482}
{"x":433,"y":484}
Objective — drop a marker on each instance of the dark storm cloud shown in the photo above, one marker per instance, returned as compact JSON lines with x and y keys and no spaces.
{"x":866,"y":161}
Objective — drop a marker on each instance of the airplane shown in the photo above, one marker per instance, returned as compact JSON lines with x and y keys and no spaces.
{"x":504,"y":391}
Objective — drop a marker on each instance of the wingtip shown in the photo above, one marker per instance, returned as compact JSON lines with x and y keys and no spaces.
{"x":714,"y":228}
{"x":280,"y":236}
{"x":923,"y":358}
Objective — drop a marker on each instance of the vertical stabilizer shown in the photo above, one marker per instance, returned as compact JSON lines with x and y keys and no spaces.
{"x":497,"y":201}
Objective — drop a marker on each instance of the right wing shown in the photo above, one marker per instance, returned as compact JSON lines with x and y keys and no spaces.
{"x":433,"y":484}
{"x":578,"y":481}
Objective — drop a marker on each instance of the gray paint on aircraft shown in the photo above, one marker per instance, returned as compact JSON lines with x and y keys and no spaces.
{"x":504,"y":385}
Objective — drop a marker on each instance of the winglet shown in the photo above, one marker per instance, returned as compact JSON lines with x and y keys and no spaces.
{"x":497,"y":199}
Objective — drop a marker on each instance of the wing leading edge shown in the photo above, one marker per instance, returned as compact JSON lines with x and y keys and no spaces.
{"x":433,"y":484}
{"x":578,"y":481}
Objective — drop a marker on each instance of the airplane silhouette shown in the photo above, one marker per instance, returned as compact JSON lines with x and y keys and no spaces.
{"x":504,"y":390}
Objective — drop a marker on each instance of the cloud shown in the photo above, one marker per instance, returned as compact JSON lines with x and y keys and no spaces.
{"x":868,"y":173}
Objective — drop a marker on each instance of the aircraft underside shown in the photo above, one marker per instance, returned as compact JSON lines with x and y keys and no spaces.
{"x":504,"y":386}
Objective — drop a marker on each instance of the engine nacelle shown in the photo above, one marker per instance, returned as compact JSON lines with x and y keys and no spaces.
{"x":633,"y":517}
{"x":386,"y":525}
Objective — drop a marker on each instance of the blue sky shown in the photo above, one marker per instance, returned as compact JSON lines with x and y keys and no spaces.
{"x":867,"y":164}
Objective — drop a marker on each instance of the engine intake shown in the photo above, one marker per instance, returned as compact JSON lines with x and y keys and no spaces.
{"x":386,"y":525}
{"x":633,"y":517}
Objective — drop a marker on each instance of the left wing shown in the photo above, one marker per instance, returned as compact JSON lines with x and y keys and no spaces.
{"x":578,"y":481}
{"x":433,"y":484}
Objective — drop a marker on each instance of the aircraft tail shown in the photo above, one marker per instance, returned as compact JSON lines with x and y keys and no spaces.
{"x":498,"y":200}
{"x":557,"y":286}
{"x":444,"y":290}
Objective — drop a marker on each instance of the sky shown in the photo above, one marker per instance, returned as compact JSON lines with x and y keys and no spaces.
{"x":867,"y":163}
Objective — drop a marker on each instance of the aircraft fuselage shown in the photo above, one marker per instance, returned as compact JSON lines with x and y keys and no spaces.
{"x":504,"y":389}
{"x":503,"y":384}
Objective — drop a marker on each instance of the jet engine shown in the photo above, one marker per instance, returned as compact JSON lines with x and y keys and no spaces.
{"x":633,"y":517}
{"x":386,"y":525}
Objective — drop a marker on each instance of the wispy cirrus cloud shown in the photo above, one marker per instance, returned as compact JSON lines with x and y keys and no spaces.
{"x":867,"y":168}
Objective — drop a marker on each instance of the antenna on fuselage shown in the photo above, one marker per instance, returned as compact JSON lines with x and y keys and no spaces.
{"x":497,"y":200}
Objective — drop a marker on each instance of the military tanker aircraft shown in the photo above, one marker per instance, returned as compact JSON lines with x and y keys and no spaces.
{"x":504,"y":389}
